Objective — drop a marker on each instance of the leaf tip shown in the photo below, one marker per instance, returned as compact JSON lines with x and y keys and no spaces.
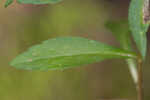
{"x":7,"y":3}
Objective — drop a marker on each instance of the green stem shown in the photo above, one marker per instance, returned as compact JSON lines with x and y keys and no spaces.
{"x":136,"y":73}
{"x":140,"y":80}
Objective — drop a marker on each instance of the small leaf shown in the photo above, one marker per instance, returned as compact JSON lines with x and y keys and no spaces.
{"x":38,"y":1}
{"x":138,"y":21}
{"x":67,"y":52}
{"x":120,"y":30}
{"x":8,"y":2}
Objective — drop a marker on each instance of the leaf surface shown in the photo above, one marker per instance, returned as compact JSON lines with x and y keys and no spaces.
{"x":139,"y":24}
{"x":120,"y":30}
{"x":67,"y":52}
{"x":38,"y":1}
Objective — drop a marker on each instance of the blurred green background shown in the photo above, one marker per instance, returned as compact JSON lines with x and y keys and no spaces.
{"x":22,"y":26}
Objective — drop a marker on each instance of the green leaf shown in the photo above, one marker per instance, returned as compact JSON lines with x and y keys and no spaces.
{"x":38,"y":1}
{"x":8,"y":2}
{"x":67,"y":52}
{"x":120,"y":30}
{"x":139,"y":24}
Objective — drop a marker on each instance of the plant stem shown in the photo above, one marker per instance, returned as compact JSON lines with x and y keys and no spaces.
{"x":140,"y":80}
{"x":133,"y":69}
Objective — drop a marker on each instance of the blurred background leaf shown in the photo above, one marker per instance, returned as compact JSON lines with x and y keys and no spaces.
{"x":8,"y":2}
{"x":38,"y":1}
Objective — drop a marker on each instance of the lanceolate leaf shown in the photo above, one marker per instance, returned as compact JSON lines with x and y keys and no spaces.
{"x":38,"y":1}
{"x":8,"y":2}
{"x":139,"y":22}
{"x":67,"y":52}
